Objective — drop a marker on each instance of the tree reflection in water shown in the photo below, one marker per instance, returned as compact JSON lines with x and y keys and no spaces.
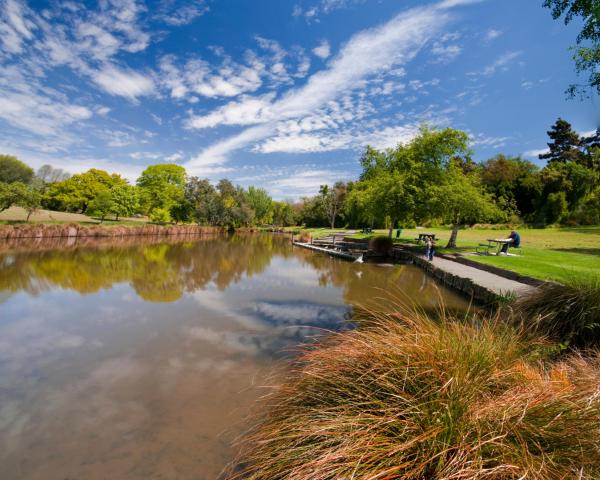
{"x":159,"y":272}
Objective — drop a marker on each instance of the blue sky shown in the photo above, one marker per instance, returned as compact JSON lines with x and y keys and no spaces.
{"x":276,"y":93}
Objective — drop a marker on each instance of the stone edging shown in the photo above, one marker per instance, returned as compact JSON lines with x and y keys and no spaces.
{"x":476,"y":292}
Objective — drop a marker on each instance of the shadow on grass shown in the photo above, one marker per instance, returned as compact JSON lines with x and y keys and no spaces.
{"x":582,"y":251}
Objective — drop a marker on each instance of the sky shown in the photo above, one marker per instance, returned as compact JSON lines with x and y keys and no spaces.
{"x":280,"y":94}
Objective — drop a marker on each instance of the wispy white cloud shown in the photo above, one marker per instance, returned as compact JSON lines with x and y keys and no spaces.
{"x":492,"y":34}
{"x":173,"y":14}
{"x":366,"y":54}
{"x":124,"y":83}
{"x":323,"y":50}
{"x":501,"y":64}
{"x":272,"y":64}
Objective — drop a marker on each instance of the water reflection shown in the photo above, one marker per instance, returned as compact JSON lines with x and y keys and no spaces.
{"x":160,"y":272}
{"x":139,"y":360}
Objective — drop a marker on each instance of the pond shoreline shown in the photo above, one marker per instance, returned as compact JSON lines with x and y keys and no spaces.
{"x":74,"y":230}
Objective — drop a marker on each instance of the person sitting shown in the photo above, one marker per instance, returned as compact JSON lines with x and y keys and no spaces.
{"x":514,"y":239}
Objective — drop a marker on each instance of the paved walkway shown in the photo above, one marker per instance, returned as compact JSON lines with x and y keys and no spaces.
{"x":491,"y":281}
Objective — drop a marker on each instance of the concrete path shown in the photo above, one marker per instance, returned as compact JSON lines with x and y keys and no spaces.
{"x":495,"y":283}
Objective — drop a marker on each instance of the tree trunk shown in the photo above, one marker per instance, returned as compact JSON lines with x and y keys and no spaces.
{"x":453,"y":235}
{"x":101,"y":218}
{"x":117,"y":218}
{"x":29,"y":214}
{"x":391,"y":230}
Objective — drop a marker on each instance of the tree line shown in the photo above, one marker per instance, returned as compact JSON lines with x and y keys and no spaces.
{"x":163,"y":192}
{"x":431,"y":179}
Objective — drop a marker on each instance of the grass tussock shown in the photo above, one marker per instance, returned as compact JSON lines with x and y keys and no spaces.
{"x":415,"y":398}
{"x":568,"y":314}
{"x":305,"y":236}
{"x":381,"y":244}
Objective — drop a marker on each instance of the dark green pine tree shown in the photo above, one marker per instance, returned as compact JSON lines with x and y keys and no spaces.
{"x":591,"y":146}
{"x":565,"y":146}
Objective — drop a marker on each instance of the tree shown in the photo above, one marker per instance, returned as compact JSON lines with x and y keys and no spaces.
{"x":283,"y":214}
{"x":460,"y":199}
{"x":29,"y":199}
{"x":49,"y":174}
{"x":556,"y":206}
{"x":395,"y":182}
{"x":262,"y":204}
{"x":9,"y":194}
{"x":14,"y":170}
{"x":513,"y":182}
{"x":102,"y":205}
{"x":161,"y":186}
{"x":203,"y":200}
{"x":76,"y":193}
{"x":591,"y":147}
{"x":565,"y":145}
{"x":333,"y":200}
{"x":125,"y":199}
{"x":586,"y":57}
{"x":17,"y":193}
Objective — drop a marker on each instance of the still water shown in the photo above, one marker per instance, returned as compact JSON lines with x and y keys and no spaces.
{"x":140,"y":359}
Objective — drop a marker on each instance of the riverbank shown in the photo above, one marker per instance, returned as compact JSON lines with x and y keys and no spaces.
{"x":547,"y":254}
{"x":75,"y":230}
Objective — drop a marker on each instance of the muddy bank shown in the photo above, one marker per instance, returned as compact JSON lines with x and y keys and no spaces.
{"x":41,"y":231}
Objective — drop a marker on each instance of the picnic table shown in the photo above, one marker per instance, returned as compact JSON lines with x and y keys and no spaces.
{"x":493,"y":244}
{"x":423,"y":236}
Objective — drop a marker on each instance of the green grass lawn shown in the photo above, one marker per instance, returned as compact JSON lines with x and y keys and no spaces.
{"x":559,"y":254}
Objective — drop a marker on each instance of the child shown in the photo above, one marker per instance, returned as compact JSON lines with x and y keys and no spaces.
{"x":429,"y":252}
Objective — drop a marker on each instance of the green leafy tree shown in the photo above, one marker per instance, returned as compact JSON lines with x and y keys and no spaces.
{"x":283,"y":214}
{"x":125,"y":199}
{"x":513,"y":182}
{"x":10,"y":194}
{"x":28,"y":198}
{"x":394,"y":183}
{"x":77,"y":192}
{"x":262,"y":204}
{"x":102,"y":205}
{"x":162,"y":186}
{"x":460,"y":199}
{"x":203,"y":199}
{"x":14,"y":170}
{"x":556,"y":207}
{"x":587,"y":52}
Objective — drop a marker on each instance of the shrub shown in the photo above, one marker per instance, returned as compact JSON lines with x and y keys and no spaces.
{"x":569,"y":314}
{"x":160,"y":215}
{"x":381,"y":244}
{"x":305,"y":236}
{"x":421,"y":399}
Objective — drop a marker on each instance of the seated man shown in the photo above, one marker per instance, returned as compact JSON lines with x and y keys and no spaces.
{"x":515,"y":241}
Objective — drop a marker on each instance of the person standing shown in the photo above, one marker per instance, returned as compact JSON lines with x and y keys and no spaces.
{"x":430,"y":248}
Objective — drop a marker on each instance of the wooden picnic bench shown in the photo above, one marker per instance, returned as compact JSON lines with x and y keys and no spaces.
{"x":423,"y":236}
{"x":493,"y":244}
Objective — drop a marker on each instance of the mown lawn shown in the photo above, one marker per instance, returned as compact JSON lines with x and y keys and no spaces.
{"x":559,"y":254}
{"x":16,"y":215}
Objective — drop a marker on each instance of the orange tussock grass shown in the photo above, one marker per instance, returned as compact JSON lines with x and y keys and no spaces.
{"x":417,"y":398}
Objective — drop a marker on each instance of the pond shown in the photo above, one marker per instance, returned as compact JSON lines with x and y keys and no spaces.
{"x":141,"y":358}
